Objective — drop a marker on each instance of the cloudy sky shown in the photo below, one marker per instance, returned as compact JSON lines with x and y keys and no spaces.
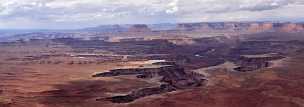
{"x":70,"y":14}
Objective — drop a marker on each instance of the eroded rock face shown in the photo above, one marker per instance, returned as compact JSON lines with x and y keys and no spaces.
{"x":134,"y":71}
{"x":255,"y":63}
{"x":260,"y":27}
{"x":292,"y":27}
{"x":253,"y":27}
{"x":139,"y":28}
{"x":173,"y":77}
{"x":141,"y":93}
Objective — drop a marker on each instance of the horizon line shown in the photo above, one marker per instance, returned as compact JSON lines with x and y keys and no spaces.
{"x":64,"y":29}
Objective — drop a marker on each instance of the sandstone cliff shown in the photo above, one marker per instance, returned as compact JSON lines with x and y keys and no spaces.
{"x":252,"y":27}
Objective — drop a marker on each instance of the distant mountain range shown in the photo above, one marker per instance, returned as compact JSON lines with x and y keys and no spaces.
{"x":248,"y":27}
{"x":200,"y":26}
{"x":126,"y":27}
{"x":204,"y":26}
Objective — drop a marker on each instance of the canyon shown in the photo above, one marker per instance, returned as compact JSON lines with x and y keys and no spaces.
{"x":216,"y":64}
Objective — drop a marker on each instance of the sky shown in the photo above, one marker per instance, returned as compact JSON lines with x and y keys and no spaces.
{"x":74,"y":14}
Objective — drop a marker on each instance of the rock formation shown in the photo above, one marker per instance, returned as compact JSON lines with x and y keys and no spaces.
{"x":139,"y":28}
{"x":255,"y":63}
{"x":141,"y":93}
{"x":173,"y":77}
{"x":252,"y":27}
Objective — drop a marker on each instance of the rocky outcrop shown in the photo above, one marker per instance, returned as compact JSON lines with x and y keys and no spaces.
{"x":164,"y":63}
{"x":252,"y":27}
{"x":139,"y":28}
{"x":292,"y":27}
{"x":133,"y":71}
{"x":254,"y":63}
{"x":260,"y":27}
{"x":141,"y":93}
{"x":173,"y":77}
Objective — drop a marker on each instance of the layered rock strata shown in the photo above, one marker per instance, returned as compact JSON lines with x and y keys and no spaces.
{"x":173,"y":77}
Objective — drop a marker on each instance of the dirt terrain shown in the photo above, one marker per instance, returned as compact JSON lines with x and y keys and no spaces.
{"x":252,"y":70}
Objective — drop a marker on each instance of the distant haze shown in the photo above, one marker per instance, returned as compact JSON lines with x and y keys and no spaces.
{"x":74,"y":14}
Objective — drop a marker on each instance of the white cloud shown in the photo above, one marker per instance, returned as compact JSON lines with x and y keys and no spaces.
{"x":79,"y":13}
{"x":173,"y":7}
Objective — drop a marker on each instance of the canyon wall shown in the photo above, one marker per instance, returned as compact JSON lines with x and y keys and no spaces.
{"x":242,"y":26}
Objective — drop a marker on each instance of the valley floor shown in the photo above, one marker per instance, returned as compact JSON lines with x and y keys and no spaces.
{"x":73,"y":86}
